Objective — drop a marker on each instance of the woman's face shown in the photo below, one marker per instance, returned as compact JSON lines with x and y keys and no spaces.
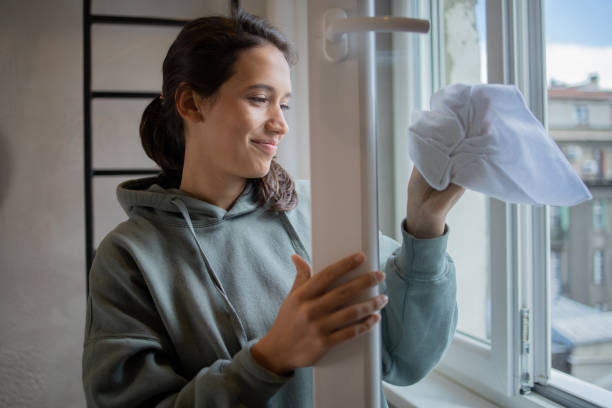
{"x":244,"y":122}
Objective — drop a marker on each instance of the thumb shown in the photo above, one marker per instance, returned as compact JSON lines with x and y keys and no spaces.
{"x":303,"y":271}
{"x":450,"y":196}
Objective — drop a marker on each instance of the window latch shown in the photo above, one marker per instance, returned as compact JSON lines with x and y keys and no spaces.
{"x":525,"y":378}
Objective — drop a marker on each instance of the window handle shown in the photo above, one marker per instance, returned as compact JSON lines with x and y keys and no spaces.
{"x":337,"y":24}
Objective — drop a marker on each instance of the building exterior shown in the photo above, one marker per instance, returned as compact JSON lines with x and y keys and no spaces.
{"x":581,"y":341}
{"x":580,"y":121}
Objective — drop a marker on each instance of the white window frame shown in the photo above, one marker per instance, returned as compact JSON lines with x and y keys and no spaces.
{"x":518,"y":359}
{"x":519,"y":234}
{"x":493,"y":361}
{"x":494,"y":368}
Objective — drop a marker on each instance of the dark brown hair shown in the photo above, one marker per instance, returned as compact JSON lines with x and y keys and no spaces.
{"x":203,"y":56}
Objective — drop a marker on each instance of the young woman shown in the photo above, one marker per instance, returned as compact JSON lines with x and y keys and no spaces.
{"x":204,"y":297}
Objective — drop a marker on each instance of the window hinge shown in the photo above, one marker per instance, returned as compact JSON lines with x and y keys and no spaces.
{"x":525,"y":350}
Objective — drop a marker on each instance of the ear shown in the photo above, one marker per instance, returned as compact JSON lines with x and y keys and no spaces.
{"x":189,"y":103}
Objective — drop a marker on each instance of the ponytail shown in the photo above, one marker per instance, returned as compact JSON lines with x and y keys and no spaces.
{"x":163,"y":141}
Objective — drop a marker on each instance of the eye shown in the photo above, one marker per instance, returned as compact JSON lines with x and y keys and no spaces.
{"x":258,"y":99}
{"x":285,"y":107}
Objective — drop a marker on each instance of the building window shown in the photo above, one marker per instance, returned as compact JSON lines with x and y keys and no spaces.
{"x":573,"y":153}
{"x":589,"y":168}
{"x":555,"y":274}
{"x":555,"y":217}
{"x":582,"y":115}
{"x":599,"y":215}
{"x":559,"y":222}
{"x":598,"y":267}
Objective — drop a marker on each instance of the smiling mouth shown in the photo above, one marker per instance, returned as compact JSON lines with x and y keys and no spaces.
{"x":266,"y":147}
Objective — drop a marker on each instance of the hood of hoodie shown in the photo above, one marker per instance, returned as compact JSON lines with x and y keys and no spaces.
{"x":158,"y":194}
{"x":226,"y":242}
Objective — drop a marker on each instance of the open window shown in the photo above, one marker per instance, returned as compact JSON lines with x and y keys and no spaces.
{"x":534,"y":283}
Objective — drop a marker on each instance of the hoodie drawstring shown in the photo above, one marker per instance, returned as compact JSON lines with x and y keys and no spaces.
{"x":236,"y":323}
{"x":297,"y":243}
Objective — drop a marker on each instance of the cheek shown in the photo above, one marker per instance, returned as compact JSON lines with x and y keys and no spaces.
{"x":233,"y":129}
{"x":232,"y":142}
{"x":245,"y":125}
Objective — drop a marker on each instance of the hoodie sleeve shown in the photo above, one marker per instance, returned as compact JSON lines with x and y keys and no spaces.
{"x":419,"y":321}
{"x":129,"y":359}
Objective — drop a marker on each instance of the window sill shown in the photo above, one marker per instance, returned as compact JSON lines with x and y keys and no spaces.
{"x":435,"y":390}
{"x":440,"y":391}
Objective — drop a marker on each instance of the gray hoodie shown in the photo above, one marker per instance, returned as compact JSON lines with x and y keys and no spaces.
{"x":181,"y":291}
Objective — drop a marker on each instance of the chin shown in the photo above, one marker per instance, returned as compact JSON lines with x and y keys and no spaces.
{"x":260,"y":171}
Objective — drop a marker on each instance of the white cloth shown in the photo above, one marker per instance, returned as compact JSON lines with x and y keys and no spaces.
{"x":484,"y":138}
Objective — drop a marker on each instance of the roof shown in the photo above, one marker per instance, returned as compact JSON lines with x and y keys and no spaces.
{"x":579,"y":94}
{"x":576,"y":324}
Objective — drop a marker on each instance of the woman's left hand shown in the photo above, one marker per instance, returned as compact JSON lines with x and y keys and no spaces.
{"x":427,"y":207}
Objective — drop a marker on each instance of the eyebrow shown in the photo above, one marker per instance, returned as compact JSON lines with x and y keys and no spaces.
{"x":267,"y":88}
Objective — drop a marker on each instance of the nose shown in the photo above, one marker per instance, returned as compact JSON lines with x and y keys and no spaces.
{"x":276,"y":123}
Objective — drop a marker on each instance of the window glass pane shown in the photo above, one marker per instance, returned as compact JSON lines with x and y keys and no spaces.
{"x":464,"y":56}
{"x":389,"y":56}
{"x":405,"y":74}
{"x":580,"y":121}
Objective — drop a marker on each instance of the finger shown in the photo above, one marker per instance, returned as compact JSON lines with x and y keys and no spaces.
{"x":303,"y":271}
{"x":321,"y":281}
{"x":341,"y":295}
{"x":353,"y":331}
{"x":353,"y":314}
{"x":416,"y":178}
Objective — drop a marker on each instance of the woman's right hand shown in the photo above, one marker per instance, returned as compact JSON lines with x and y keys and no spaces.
{"x":312,"y":319}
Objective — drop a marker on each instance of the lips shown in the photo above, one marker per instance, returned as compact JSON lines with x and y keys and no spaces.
{"x":267,"y":146}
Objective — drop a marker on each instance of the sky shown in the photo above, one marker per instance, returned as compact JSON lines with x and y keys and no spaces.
{"x":586,"y":22}
{"x":578,"y":39}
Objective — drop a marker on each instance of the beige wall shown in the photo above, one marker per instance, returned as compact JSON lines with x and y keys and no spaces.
{"x":41,"y":204}
{"x":42,"y":266}
{"x":562,"y":114}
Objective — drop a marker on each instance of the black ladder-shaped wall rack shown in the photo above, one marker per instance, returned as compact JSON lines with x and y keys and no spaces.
{"x":88,"y":96}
